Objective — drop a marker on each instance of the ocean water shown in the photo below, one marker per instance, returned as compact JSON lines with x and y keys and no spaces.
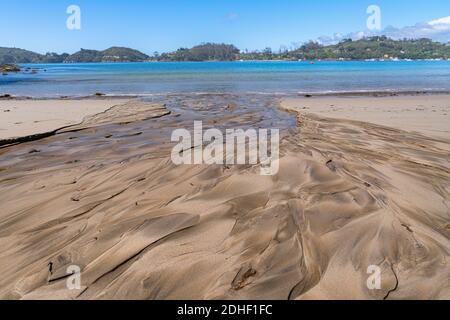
{"x":230,"y":77}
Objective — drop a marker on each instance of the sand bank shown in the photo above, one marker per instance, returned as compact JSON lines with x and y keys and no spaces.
{"x":107,"y":198}
{"x":428,"y":114}
{"x":21,"y":118}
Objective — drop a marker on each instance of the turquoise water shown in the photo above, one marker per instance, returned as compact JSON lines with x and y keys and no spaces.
{"x":239,"y":77}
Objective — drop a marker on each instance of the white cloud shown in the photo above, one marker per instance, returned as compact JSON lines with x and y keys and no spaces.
{"x":437,"y":30}
{"x":444,"y":21}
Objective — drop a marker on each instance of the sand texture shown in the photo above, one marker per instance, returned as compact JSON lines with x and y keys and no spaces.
{"x":22,"y":118}
{"x":426,"y":114}
{"x":105,"y":196}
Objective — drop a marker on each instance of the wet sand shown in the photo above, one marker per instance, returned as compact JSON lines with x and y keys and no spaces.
{"x":106,"y":197}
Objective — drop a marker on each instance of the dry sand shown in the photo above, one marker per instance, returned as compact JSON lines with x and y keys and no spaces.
{"x":21,"y":118}
{"x":107,"y":198}
{"x":425,"y":114}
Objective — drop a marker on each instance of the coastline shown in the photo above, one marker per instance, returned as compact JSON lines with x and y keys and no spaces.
{"x":225,"y":156}
{"x":147,"y":80}
{"x":306,"y":94}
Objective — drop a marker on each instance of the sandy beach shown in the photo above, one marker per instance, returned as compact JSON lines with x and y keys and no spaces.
{"x":425,"y":114}
{"x":363,"y":181}
{"x":22,"y":118}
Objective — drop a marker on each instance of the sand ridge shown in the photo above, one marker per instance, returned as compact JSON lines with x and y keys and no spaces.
{"x":21,"y":118}
{"x":427,"y":114}
{"x":349,"y":194}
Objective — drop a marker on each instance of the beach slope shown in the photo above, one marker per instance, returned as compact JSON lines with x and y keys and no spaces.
{"x":350,"y":196}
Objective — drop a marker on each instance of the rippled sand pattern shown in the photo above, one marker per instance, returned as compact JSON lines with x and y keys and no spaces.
{"x":108,"y":199}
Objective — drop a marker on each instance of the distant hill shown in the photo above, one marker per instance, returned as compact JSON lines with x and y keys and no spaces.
{"x":367,"y":48}
{"x":203,"y":52}
{"x":114,"y":54}
{"x":13,"y":55}
{"x":375,"y":48}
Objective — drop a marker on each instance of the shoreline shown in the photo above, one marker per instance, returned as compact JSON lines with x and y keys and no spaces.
{"x":243,"y":60}
{"x":75,"y":109}
{"x":306,"y":94}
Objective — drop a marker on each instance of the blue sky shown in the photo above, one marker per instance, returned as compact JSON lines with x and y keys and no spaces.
{"x":148,"y":25}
